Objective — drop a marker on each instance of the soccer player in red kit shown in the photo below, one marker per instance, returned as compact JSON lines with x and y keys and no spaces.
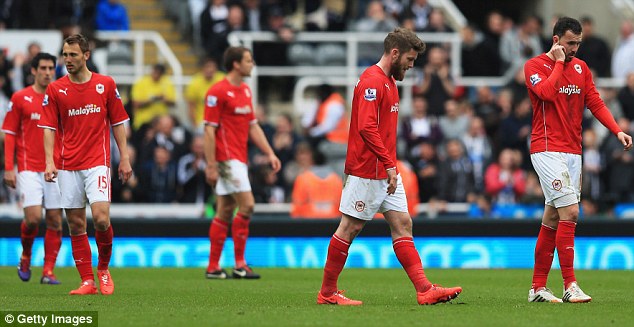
{"x":373,"y":183}
{"x":560,"y":87}
{"x":229,"y":124}
{"x":81,"y":107}
{"x":24,"y":140}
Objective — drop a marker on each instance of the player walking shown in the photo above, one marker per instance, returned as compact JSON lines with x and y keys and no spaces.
{"x":229,"y":123}
{"x":24,"y":140}
{"x":81,"y":107}
{"x":560,"y":86}
{"x":373,"y":183}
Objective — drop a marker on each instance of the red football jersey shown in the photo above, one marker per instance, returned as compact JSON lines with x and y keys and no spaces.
{"x":372,"y":137}
{"x":559,"y":92}
{"x":24,"y":113}
{"x":229,"y":108}
{"x":82,"y":115}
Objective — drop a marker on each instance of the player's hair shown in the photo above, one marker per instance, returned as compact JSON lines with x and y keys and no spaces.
{"x":80,"y":40}
{"x":403,"y":40}
{"x":566,"y":24}
{"x":233,"y":54}
{"x":35,"y":62}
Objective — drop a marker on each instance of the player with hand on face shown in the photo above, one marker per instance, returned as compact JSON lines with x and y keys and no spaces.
{"x":24,"y":141}
{"x":560,"y":87}
{"x":373,"y":182}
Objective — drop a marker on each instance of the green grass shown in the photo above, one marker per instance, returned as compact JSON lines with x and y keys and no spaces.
{"x":286,"y":297}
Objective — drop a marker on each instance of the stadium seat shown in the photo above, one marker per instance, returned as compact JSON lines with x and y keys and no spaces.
{"x":301,"y":54}
{"x":331,"y":54}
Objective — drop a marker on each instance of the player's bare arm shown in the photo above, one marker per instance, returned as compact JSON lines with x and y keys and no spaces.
{"x":626,"y":140}
{"x":259,"y":139}
{"x":50,"y":174}
{"x":125,"y":169}
{"x":211,"y":170}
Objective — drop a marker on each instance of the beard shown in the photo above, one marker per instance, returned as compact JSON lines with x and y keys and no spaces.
{"x":397,"y":70}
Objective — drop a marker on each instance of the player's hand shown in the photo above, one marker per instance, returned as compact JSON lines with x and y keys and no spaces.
{"x":276,"y":164}
{"x":626,"y":140}
{"x":211,"y":174}
{"x":50,"y":174}
{"x":391,"y":181}
{"x":125,"y":170}
{"x":557,"y":51}
{"x":9,"y":178}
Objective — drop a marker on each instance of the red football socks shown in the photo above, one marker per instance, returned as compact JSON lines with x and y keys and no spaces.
{"x":82,"y":256}
{"x":544,"y":253}
{"x":566,"y":250}
{"x":104,"y":245}
{"x":217,"y":236}
{"x":410,"y":260}
{"x":52,"y":243}
{"x":240,"y":233}
{"x":28,"y":235}
{"x":337,"y":255}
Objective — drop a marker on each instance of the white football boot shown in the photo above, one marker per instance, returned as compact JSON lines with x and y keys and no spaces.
{"x":574,"y":294}
{"x":543,"y":295}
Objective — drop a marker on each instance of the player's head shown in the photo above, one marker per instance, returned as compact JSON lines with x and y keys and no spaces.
{"x":43,"y":68}
{"x":240,"y":60}
{"x":402,"y":46}
{"x":567,"y":33}
{"x":76,"y":52}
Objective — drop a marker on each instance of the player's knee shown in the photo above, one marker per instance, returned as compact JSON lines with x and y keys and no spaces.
{"x":247,"y":209}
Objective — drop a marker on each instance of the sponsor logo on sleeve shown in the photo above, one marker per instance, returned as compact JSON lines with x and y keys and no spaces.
{"x":370,"y":94}
{"x":10,"y":106}
{"x":100,"y":88}
{"x":212,"y":101}
{"x":45,"y":101}
{"x":116,"y":92}
{"x":535,"y":79}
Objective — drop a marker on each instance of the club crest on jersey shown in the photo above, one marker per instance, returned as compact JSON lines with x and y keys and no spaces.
{"x":45,"y":101}
{"x":359,"y":206}
{"x":535,"y":79}
{"x":557,"y":185}
{"x":211,"y":101}
{"x":578,"y":68}
{"x":100,"y":88}
{"x":10,"y":106}
{"x":370,"y":94}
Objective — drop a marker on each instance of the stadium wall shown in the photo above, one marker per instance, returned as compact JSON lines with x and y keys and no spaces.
{"x":303,"y":244}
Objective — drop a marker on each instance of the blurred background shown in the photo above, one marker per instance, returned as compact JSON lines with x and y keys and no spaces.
{"x":464,"y":129}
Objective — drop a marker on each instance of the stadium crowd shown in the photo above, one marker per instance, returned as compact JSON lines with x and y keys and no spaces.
{"x":462,"y":144}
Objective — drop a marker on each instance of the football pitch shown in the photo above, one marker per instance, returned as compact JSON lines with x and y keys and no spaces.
{"x":286,"y":297}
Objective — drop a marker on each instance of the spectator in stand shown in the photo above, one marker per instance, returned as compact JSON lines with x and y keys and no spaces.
{"x":31,"y":51}
{"x":191,"y":174}
{"x":419,"y":127}
{"x":284,"y":143}
{"x":626,"y":97}
{"x":8,"y":14}
{"x":437,"y":85}
{"x":253,"y":15}
{"x":410,"y":185}
{"x":518,"y":86}
{"x":35,"y":14}
{"x":521,"y":43}
{"x":157,"y":178}
{"x":6,"y":67}
{"x":426,"y":167}
{"x":375,"y":20}
{"x":455,"y":175}
{"x":418,"y":11}
{"x":198,"y":87}
{"x":478,"y":59}
{"x":619,"y":166}
{"x":316,"y":190}
{"x":515,"y":130}
{"x":622,"y":63}
{"x":111,"y":15}
{"x":504,"y":100}
{"x":165,"y":132}
{"x":213,"y":25}
{"x":152,"y":96}
{"x":126,"y":192}
{"x":301,"y":162}
{"x":265,"y":185}
{"x":504,"y":180}
{"x":486,"y":107}
{"x":454,"y":124}
{"x":533,"y":193}
{"x":491,"y":42}
{"x":595,"y":51}
{"x":592,"y":166}
{"x":437,"y":22}
{"x":479,"y":150}
{"x":329,"y":122}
